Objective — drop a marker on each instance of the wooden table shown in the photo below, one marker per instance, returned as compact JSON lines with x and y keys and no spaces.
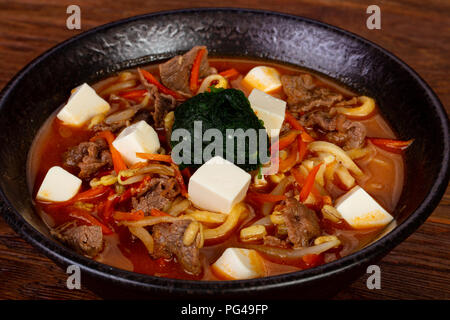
{"x":417,"y":31}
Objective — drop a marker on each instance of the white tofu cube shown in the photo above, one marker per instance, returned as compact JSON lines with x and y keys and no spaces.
{"x":139,"y":137}
{"x":264,"y":78}
{"x":361,"y":211}
{"x":238,"y":263}
{"x":269,"y":109}
{"x":58,"y":185}
{"x":218,"y":185}
{"x":83,"y":104}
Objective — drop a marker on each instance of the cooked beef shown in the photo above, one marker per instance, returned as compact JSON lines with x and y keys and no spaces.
{"x":163,"y":104}
{"x":157,"y":194}
{"x":113,"y":127}
{"x":319,"y":118}
{"x":272,"y":241}
{"x":168,"y":241}
{"x":302,"y":223}
{"x":337,"y":128}
{"x":86,"y":240}
{"x":303,"y":95}
{"x":175,"y":73}
{"x":89,"y":157}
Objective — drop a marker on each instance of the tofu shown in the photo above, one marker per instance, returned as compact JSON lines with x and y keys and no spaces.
{"x":218,"y":185}
{"x":361,"y":211}
{"x":268,"y":109}
{"x":58,"y":185}
{"x":266,"y":79}
{"x":83,"y":104}
{"x":238,"y":264}
{"x":139,"y":137}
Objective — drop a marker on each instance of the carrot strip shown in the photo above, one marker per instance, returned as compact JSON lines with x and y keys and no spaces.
{"x":285,"y":140}
{"x":297,"y":126}
{"x":229,"y":73}
{"x":109,"y":207}
{"x":88,"y":195}
{"x":265,"y":197}
{"x":118,"y":162}
{"x":390,"y":144}
{"x":309,"y":183}
{"x":155,"y":156}
{"x":133,"y":95}
{"x":87,"y":217}
{"x":180,"y":180}
{"x":302,"y":149}
{"x":158,"y":213}
{"x":133,"y":216}
{"x":298,"y":177}
{"x":290,"y":161}
{"x":151,"y":79}
{"x":193,"y":81}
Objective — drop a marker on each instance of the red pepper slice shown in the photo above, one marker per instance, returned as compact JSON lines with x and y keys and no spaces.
{"x":151,"y":79}
{"x":390,"y":144}
{"x":309,"y":183}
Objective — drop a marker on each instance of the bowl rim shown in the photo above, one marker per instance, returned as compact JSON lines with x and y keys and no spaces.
{"x":374,"y":251}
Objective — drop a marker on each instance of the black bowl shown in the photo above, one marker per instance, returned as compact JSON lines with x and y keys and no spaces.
{"x":405,"y":99}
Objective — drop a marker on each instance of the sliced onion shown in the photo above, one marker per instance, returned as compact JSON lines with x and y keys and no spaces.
{"x":131,"y":180}
{"x":150,"y":221}
{"x":267,"y":207}
{"x":144,"y":236}
{"x":116,"y":87}
{"x":122,"y":115}
{"x":294,"y":254}
{"x":263,"y":222}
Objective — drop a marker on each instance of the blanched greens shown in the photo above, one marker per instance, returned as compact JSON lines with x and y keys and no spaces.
{"x":220,"y":109}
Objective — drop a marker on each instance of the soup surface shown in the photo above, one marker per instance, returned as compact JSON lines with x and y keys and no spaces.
{"x":337,"y":161}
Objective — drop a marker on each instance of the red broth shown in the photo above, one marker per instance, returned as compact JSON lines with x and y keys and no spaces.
{"x":383,"y":179}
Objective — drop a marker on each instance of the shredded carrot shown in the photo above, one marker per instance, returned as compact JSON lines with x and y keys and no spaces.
{"x":151,"y":79}
{"x":155,"y":157}
{"x":390,"y":144}
{"x":88,"y":195}
{"x":118,"y":162}
{"x":290,"y":161}
{"x":302,"y":149}
{"x":265,"y":197}
{"x":309,"y":183}
{"x":229,"y":73}
{"x":180,"y":180}
{"x":298,"y":177}
{"x":108,"y":209}
{"x":158,"y":213}
{"x":133,"y":216}
{"x":134,"y":94}
{"x":87,"y":217}
{"x":193,"y":81}
{"x":297,"y":126}
{"x":285,"y":140}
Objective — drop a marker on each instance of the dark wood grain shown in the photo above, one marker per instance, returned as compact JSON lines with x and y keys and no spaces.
{"x":417,"y":31}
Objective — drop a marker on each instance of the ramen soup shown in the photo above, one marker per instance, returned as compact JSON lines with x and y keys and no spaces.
{"x":115,"y":177}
